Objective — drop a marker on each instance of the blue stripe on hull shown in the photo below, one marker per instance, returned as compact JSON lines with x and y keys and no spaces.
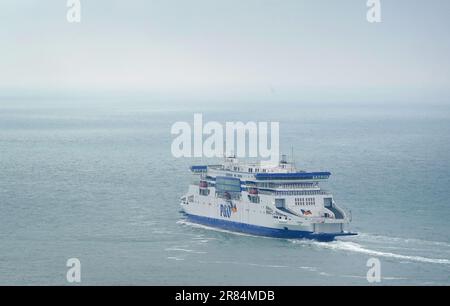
{"x":261,"y":230}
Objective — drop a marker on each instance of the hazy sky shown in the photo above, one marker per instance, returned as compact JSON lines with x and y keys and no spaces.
{"x":262,"y":47}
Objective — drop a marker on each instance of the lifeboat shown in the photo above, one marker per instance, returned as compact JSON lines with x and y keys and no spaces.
{"x":253,"y":191}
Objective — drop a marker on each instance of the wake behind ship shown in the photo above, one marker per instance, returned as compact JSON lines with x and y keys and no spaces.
{"x":275,"y":201}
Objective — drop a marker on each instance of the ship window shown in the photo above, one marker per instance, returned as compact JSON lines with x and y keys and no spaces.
{"x":309,"y":201}
{"x":232,"y":185}
{"x":280,"y":203}
{"x":204,"y":192}
{"x":253,"y":199}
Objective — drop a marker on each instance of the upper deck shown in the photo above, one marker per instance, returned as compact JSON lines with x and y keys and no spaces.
{"x":283,"y":172}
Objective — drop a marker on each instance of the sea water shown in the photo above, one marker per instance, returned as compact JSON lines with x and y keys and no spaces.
{"x":96,"y":180}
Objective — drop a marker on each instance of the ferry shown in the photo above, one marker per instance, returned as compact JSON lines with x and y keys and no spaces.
{"x":266,"y":200}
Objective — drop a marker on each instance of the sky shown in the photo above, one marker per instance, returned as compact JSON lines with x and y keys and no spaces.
{"x":323,"y":49}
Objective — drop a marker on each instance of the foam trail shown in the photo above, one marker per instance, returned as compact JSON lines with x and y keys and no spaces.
{"x":354,"y":247}
{"x":184,"y":222}
{"x":175,"y":258}
{"x":381,"y":238}
{"x":344,"y":245}
{"x":185,"y":250}
{"x":244,"y":264}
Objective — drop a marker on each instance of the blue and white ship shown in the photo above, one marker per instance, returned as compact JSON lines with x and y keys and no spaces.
{"x":267,"y":200}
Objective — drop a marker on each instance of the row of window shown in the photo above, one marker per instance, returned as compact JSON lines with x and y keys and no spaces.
{"x":303,"y":192}
{"x":288,"y":186}
{"x":305,"y":201}
{"x":256,"y":170}
{"x":254,"y":199}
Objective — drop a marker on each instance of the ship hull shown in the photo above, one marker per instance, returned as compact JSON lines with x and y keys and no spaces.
{"x":262,"y":230}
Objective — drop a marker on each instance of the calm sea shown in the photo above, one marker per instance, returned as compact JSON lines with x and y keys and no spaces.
{"x":97,"y":181}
